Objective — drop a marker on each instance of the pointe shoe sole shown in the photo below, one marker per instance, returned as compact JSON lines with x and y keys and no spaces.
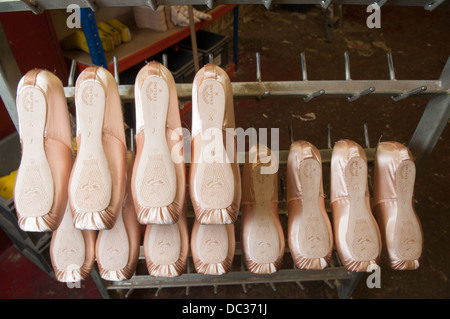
{"x":71,"y":251}
{"x":264,"y":248}
{"x":163,"y":250}
{"x":91,"y":178}
{"x":156,"y":179}
{"x":407,"y":245}
{"x":112,"y":250}
{"x":309,"y":230}
{"x":362,"y":238}
{"x":34,"y":187}
{"x":214,"y":174}
{"x":213,"y":249}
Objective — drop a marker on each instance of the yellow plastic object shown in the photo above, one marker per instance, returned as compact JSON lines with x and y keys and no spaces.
{"x":74,"y":144}
{"x":77,"y":40}
{"x":7,"y":185}
{"x":124,"y":31}
{"x":111,"y":31}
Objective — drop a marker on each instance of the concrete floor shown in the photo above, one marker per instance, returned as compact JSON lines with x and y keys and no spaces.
{"x":420,"y":48}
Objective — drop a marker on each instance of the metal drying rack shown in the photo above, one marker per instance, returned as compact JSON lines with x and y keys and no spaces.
{"x":422,"y":143}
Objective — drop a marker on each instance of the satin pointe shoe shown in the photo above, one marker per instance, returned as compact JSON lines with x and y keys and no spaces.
{"x":212,"y":248}
{"x":117,"y":249}
{"x":159,"y":175}
{"x":262,"y":235}
{"x":166,"y":248}
{"x":72,"y":251}
{"x":400,"y":227}
{"x":97,"y":181}
{"x":214,"y":175}
{"x":357,"y":235}
{"x":310,"y":237}
{"x":40,"y":191}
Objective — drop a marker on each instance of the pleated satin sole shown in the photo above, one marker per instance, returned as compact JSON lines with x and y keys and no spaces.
{"x":163,"y":250}
{"x":214,"y":181}
{"x":309,"y":237}
{"x":155,"y":181}
{"x":213,"y":248}
{"x":91,"y":183}
{"x":34,"y":186}
{"x":112,"y":252}
{"x":68,"y":252}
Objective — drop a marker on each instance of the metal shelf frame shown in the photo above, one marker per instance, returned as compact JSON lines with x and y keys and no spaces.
{"x":427,"y":133}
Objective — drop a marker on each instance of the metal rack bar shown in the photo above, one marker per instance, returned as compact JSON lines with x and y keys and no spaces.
{"x":348,"y":88}
{"x":232,"y":278}
{"x":333,"y":89}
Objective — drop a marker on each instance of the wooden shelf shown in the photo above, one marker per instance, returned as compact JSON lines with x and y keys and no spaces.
{"x":145,"y":43}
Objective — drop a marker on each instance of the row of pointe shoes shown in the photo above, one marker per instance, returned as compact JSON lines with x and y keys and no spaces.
{"x":107,"y":189}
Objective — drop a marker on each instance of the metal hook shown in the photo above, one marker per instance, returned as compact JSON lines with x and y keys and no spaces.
{"x":210,"y":3}
{"x":380,"y":3}
{"x":116,"y":69}
{"x":303,"y":62}
{"x":244,"y":288}
{"x":347,"y":66}
{"x":291,"y":134}
{"x":73,"y":67}
{"x":273,"y":286}
{"x":408,"y":94}
{"x":132,"y":140}
{"x":300,"y":285}
{"x":329,"y":136}
{"x":264,"y":95}
{"x":92,"y":4}
{"x":313,"y":95}
{"x":153,"y":4}
{"x":258,"y":67}
{"x":328,"y":284}
{"x":366,"y":135}
{"x":267,"y":4}
{"x":391,"y":66}
{"x":33,"y":6}
{"x":325,"y":3}
{"x":164,"y":60}
{"x":360,"y":94}
{"x":433,"y":5}
{"x":128,"y":293}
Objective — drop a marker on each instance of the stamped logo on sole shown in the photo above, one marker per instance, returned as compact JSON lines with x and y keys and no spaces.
{"x":88,"y":95}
